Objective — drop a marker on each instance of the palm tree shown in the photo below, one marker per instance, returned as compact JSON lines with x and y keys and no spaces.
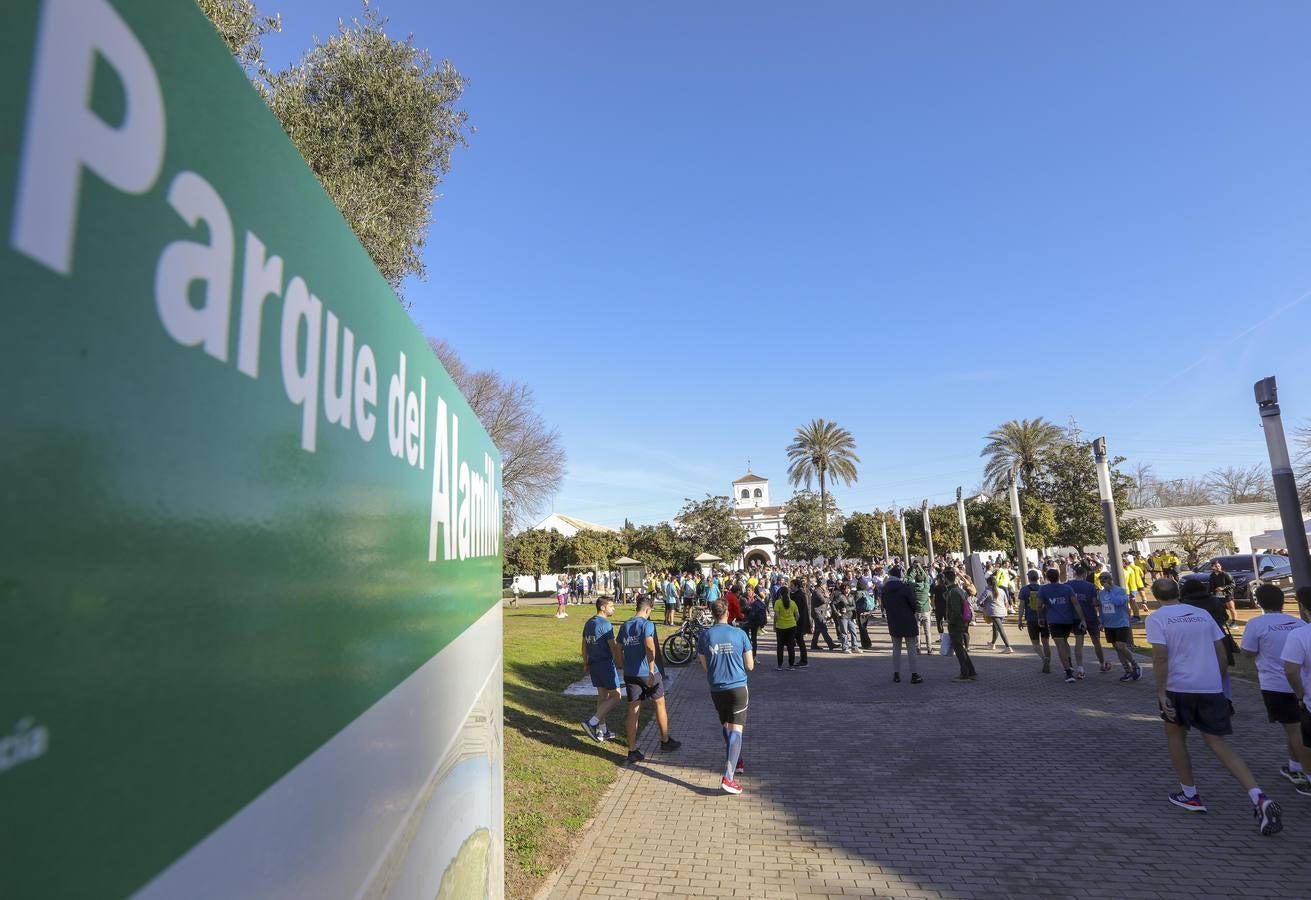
{"x":822,"y":449}
{"x":1022,"y":444}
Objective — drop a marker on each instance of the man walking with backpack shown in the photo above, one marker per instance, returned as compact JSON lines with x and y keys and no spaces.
{"x":958,"y":615}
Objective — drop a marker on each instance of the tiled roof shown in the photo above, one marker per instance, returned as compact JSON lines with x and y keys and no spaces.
{"x":1208,"y":511}
{"x":749,"y":478}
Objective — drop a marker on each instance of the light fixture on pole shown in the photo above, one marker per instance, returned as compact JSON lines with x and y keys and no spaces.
{"x":1281,"y":473}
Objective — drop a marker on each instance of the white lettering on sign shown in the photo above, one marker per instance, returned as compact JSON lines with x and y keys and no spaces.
{"x":28,"y":742}
{"x":327,"y":370}
{"x":63,"y":135}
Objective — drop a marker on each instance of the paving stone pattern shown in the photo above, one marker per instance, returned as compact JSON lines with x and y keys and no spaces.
{"x":1016,"y":785}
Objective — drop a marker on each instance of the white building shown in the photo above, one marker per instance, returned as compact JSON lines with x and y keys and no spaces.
{"x":762,"y":520}
{"x":569,"y":526}
{"x":1236,"y":522}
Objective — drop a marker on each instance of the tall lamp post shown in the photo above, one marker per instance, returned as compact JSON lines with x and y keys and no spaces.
{"x":883,"y":525}
{"x":1281,"y":472}
{"x":1018,"y":523}
{"x":964,"y":528}
{"x":1108,"y":509}
{"x":905,"y":544}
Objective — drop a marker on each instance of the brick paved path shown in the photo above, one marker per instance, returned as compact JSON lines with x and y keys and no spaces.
{"x":1017,"y":785}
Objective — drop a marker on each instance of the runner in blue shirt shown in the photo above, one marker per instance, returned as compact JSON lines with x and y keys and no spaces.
{"x":671,"y":587}
{"x":643,"y":679}
{"x":725,"y":654}
{"x":1085,"y":595}
{"x":1113,"y":605}
{"x":600,"y":650}
{"x":1031,"y":602}
{"x":1059,"y":612}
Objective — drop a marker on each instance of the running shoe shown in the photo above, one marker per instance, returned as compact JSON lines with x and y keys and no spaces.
{"x":1299,"y":779}
{"x":780,"y":668}
{"x":1129,"y":676}
{"x":1269,"y":817}
{"x":915,"y":678}
{"x":635,"y":756}
{"x":1106,"y":666}
{"x":730,"y":786}
{"x":593,"y":731}
{"x":1137,"y":673}
{"x":1009,"y":650}
{"x":896,"y":678}
{"x":670,"y":745}
{"x":1079,"y":673}
{"x":804,"y":665}
{"x":1069,"y":676}
{"x":1192,"y":804}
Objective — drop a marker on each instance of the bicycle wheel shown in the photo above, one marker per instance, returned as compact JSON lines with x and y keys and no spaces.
{"x":678,"y":649}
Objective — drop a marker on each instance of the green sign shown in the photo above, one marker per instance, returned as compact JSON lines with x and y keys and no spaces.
{"x":242,"y":502}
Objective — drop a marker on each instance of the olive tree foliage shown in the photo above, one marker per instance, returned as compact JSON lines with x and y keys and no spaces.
{"x":242,"y":26}
{"x":810,"y":533}
{"x":532,"y":454}
{"x":375,"y":118}
{"x":710,"y":526}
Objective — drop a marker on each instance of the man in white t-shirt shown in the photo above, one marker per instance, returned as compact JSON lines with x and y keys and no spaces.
{"x":1297,"y":666}
{"x":1188,"y":656}
{"x":1264,"y":638}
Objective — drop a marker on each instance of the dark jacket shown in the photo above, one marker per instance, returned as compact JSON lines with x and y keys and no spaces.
{"x":899,"y":604}
{"x":803,"y":609}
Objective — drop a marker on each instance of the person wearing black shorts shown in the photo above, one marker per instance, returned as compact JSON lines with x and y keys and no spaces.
{"x":1188,"y":657}
{"x":725,"y":654}
{"x":1264,"y":639}
{"x":643,"y":679}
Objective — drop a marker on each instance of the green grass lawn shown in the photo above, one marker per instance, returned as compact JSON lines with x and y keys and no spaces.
{"x":554,"y":774}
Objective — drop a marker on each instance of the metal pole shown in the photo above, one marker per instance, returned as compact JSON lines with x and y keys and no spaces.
{"x":1108,"y":509}
{"x":883,"y":523}
{"x":1281,"y":472}
{"x":905,"y":545}
{"x":928,"y":534}
{"x":964,"y":528}
{"x":1018,"y":524}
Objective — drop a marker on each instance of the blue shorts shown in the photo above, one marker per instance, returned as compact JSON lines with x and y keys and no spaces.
{"x":606,"y":677}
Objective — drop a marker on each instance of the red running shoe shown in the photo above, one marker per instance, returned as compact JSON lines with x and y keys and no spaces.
{"x":730,"y":786}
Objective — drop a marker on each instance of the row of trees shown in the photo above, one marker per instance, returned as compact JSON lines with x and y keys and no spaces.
{"x":703,"y":526}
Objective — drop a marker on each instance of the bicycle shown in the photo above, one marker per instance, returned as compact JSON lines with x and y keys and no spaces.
{"x":679,"y":648}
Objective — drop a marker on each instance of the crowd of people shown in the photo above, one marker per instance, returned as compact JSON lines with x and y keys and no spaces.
{"x":1073,"y":602}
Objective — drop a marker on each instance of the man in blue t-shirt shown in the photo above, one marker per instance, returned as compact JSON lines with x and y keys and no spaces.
{"x":1059,"y":612}
{"x":1031,"y":603}
{"x":725,"y":654}
{"x":642,"y":677}
{"x":600,"y":650}
{"x":1085,"y":598}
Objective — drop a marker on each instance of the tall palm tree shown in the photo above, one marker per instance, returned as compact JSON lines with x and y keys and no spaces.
{"x":1023,"y":443}
{"x":822,"y":449}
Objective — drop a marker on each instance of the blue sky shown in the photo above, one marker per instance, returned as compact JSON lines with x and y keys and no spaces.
{"x":692,"y":227}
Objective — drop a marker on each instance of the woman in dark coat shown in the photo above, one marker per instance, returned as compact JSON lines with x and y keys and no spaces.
{"x":900,"y":606}
{"x":804,"y":599}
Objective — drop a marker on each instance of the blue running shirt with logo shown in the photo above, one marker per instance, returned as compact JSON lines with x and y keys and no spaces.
{"x":1086,"y":595}
{"x":597,"y":634}
{"x":632,"y":637}
{"x":1058,"y":603}
{"x":723,"y":646}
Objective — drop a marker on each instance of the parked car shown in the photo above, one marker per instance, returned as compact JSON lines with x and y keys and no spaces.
{"x":1245,"y":569}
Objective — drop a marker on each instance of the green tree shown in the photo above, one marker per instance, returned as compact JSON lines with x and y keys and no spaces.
{"x":660,"y":548}
{"x":991,"y":527}
{"x":1068,"y":484}
{"x":946,"y":530}
{"x":821,"y":450}
{"x":591,"y":548}
{"x":809,"y":533}
{"x":710,"y":526}
{"x":376,"y":119}
{"x":1024,"y":443}
{"x":863,"y":535}
{"x":532,"y":553}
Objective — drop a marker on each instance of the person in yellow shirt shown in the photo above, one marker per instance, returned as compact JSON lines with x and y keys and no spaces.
{"x":1133,"y":586}
{"x":785,"y":625}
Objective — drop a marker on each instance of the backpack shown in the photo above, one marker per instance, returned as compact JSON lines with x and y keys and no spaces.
{"x":967,"y":611}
